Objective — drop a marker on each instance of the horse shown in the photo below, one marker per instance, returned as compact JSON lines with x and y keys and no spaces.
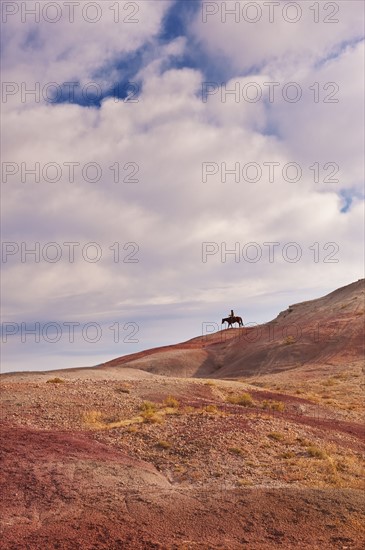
{"x":232,"y":320}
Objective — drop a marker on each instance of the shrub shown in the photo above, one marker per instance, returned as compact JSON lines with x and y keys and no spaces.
{"x":56,"y":380}
{"x":278,"y":406}
{"x":211,"y":409}
{"x":164,"y":445}
{"x":147,"y":406}
{"x":245,"y":399}
{"x":244,"y":482}
{"x":289,"y":340}
{"x":93,"y":419}
{"x":316,"y":452}
{"x":150,"y":417}
{"x":303,"y":442}
{"x":171,"y":402}
{"x":273,"y":405}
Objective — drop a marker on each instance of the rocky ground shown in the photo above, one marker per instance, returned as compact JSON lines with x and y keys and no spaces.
{"x":144,"y":461}
{"x":244,"y":438}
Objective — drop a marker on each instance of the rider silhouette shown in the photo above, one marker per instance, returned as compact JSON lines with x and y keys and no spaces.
{"x":232,"y":313}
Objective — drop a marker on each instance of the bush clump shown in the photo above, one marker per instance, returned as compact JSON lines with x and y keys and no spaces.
{"x":171,"y":402}
{"x":163,"y":444}
{"x":151,"y":417}
{"x":316,"y":452}
{"x":211,"y":409}
{"x":148,"y":406}
{"x":244,"y":399}
{"x":273,"y":405}
{"x":56,"y":380}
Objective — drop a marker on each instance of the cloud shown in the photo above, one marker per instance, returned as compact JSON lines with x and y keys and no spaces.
{"x":165,"y":141}
{"x":289,"y":36}
{"x":84,"y":40}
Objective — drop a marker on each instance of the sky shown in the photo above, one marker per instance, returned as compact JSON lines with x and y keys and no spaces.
{"x":164,"y":162}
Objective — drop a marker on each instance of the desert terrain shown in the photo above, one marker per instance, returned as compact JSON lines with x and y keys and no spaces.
{"x":249,"y":437}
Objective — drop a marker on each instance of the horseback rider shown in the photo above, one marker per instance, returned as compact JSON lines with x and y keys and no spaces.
{"x":231,"y":319}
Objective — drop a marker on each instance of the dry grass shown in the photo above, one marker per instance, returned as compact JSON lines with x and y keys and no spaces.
{"x":344,"y":386}
{"x":290,"y":456}
{"x":150,"y":413}
{"x":274,"y":450}
{"x":323,"y":466}
{"x":212,"y":409}
{"x":273,"y":405}
{"x":55,"y":380}
{"x":151,"y":417}
{"x":163,"y":444}
{"x":315,"y":452}
{"x":244,"y":399}
{"x":96,"y":420}
{"x":244,"y":482}
{"x":93,"y":419}
{"x":148,"y":406}
{"x":171,"y":402}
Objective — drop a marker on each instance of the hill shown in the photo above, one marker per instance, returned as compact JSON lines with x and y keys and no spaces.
{"x":157,"y":451}
{"x":325,"y":331}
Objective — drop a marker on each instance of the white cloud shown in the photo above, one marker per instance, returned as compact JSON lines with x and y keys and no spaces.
{"x":170,"y":212}
{"x":77,"y":51}
{"x":241,"y":44}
